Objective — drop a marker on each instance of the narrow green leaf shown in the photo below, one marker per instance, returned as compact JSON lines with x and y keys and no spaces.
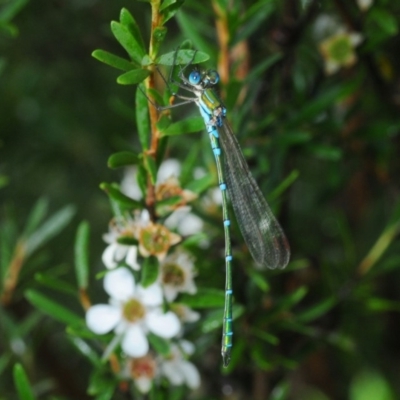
{"x":112,"y":60}
{"x":52,"y":309}
{"x":169,"y":8}
{"x":56,"y":284}
{"x":292,"y":299}
{"x":382,"y":305}
{"x":86,"y":350}
{"x":49,"y":229}
{"x":160,"y":345}
{"x":3,"y":178}
{"x":204,"y":298}
{"x":122,"y":159}
{"x":285,"y":184}
{"x":259,"y":279}
{"x":266,"y":336}
{"x":133,"y":77}
{"x":324,"y":152}
{"x":385,"y":20}
{"x":22,"y":383}
{"x":36,"y":216}
{"x":182,"y":57}
{"x":149,"y":271}
{"x":151,"y":167}
{"x":142,"y":118}
{"x":120,"y":198}
{"x":189,"y":125}
{"x":11,"y":9}
{"x":129,"y":22}
{"x":127,"y":240}
{"x":316,"y":311}
{"x":128,"y":42}
{"x":263,"y":66}
{"x":82,"y":254}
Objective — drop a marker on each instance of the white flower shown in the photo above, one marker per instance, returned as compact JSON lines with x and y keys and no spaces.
{"x":364,"y":5}
{"x":184,"y":222}
{"x":142,"y":370}
{"x":116,"y":252}
{"x":177,"y":369}
{"x":177,"y":275}
{"x":132,"y":313}
{"x":339,"y":50}
{"x":184,"y":313}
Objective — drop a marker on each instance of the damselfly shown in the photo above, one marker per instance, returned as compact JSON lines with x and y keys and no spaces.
{"x":261,"y":231}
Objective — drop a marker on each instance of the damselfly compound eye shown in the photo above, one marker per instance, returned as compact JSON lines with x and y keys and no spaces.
{"x":213,"y":77}
{"x":194,"y":77}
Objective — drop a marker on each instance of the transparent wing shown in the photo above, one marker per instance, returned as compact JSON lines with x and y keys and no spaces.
{"x":260,"y":229}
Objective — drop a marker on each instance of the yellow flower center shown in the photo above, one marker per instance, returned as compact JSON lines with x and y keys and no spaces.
{"x":155,"y":239}
{"x":173,"y":275}
{"x":133,"y":310}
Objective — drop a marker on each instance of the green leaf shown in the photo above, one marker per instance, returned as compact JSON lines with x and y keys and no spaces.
{"x":285,"y":184}
{"x":122,"y":159}
{"x":11,"y":9}
{"x":259,"y":279}
{"x":266,"y":336}
{"x":113,"y":60}
{"x":188,"y":125}
{"x":127,"y":241}
{"x":49,"y":229}
{"x":102,"y":385}
{"x":142,"y":118}
{"x":133,"y":77}
{"x":204,"y":298}
{"x":370,"y":385}
{"x":22,"y":383}
{"x":169,"y":9}
{"x":151,"y":168}
{"x":86,"y":351}
{"x":200,"y":185}
{"x":82,"y":254}
{"x":56,"y":284}
{"x":316,"y":311}
{"x":3,"y":178}
{"x":128,"y":42}
{"x":182,"y":57}
{"x":52,"y":309}
{"x":149,"y":271}
{"x":291,"y":299}
{"x":120,"y":198}
{"x":324,"y":152}
{"x":129,"y":22}
{"x":385,"y":20}
{"x":160,"y":345}
{"x":382,"y":305}
{"x":36,"y":216}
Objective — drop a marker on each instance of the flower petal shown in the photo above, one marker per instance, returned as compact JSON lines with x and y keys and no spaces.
{"x":173,"y":374}
{"x":168,"y":168}
{"x":108,"y":256}
{"x":119,"y":284}
{"x":102,"y":318}
{"x":143,"y":384}
{"x":151,"y":296}
{"x":164,"y":325}
{"x":135,"y":343}
{"x":131,"y":258}
{"x":191,"y":374}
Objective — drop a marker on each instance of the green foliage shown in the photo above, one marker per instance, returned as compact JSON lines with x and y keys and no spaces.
{"x":322,"y":146}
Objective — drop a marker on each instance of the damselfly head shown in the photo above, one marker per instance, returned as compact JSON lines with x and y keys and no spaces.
{"x":195,"y":77}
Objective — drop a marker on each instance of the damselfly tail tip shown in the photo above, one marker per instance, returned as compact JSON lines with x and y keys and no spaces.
{"x":226,"y":358}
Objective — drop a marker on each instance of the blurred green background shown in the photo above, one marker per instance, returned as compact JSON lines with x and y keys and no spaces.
{"x":62,"y":114}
